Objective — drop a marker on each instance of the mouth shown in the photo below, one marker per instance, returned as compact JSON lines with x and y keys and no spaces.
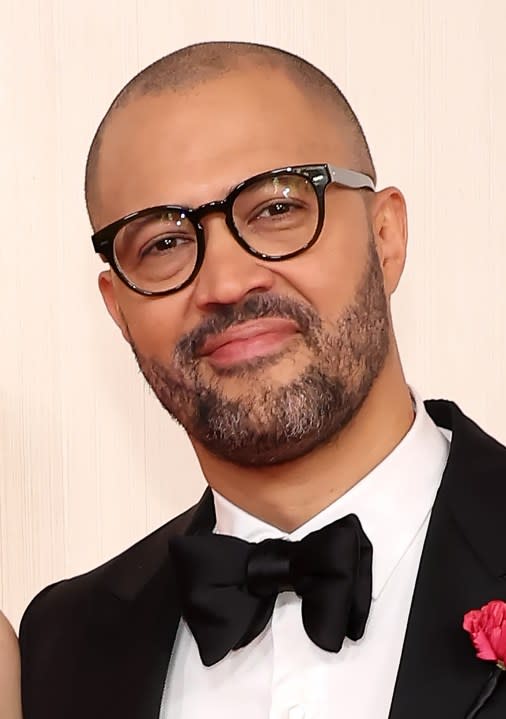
{"x":248,"y":341}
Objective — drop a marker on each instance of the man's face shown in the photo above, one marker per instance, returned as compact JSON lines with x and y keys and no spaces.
{"x":259,"y":361}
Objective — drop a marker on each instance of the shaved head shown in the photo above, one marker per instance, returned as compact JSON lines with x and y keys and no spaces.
{"x":195,"y":65}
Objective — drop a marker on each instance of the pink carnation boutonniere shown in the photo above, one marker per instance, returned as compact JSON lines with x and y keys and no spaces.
{"x":487,"y":627}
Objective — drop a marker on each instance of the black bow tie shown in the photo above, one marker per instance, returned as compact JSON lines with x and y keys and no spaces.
{"x":229,"y":586}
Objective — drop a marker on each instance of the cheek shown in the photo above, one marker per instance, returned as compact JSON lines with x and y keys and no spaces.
{"x":327,"y":275}
{"x":154,"y":324}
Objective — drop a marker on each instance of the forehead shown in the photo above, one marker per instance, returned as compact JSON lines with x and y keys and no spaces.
{"x":191,"y":147}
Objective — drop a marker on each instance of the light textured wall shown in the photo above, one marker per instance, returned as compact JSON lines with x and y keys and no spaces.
{"x":88,"y":461}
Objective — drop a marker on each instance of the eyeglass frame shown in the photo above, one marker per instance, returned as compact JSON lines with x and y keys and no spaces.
{"x":319,"y":175}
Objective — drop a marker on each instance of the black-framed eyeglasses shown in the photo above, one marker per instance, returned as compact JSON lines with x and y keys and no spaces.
{"x":274,"y":216}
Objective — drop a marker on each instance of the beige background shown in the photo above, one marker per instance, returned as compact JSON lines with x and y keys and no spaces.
{"x":88,"y":461}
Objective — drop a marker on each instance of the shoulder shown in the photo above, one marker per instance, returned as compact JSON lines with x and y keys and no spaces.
{"x":10,"y":703}
{"x":8,"y":641}
{"x":56,"y":606}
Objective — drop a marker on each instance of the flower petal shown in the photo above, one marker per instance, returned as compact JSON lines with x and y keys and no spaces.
{"x":484,"y":650}
{"x":487,"y":627}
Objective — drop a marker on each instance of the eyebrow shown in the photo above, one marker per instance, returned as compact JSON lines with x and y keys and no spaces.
{"x":225,"y":194}
{"x":231,"y":188}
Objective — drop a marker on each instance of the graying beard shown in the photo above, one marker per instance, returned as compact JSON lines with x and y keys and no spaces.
{"x":277,"y":425}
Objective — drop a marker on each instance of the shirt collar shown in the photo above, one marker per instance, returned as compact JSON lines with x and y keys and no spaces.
{"x":392,"y":501}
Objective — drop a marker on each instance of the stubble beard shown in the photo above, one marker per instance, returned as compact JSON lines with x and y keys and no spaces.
{"x":269,"y":423}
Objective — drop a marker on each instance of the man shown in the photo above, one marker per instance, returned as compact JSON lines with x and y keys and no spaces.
{"x":251,"y":265}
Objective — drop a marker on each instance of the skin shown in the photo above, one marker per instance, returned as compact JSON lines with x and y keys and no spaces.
{"x":191,"y":147}
{"x":10,"y":695}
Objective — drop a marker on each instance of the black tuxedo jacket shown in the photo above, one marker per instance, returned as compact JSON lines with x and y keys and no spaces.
{"x":98,"y":646}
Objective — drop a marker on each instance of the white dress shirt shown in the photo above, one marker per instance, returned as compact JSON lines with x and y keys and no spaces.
{"x":281,"y":674}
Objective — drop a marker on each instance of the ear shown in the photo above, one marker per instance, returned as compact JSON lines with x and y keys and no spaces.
{"x":106,"y":286}
{"x":389,"y":221}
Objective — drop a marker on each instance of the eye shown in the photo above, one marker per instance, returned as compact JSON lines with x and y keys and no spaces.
{"x":165,"y":245}
{"x":275,"y":209}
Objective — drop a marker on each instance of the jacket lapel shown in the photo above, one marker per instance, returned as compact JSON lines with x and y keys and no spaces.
{"x":462,"y":567}
{"x":136,"y":617}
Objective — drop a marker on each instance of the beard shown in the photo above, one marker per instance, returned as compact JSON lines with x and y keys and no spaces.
{"x":268,"y":423}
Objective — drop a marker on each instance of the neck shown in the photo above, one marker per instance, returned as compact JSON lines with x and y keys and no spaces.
{"x":288,"y":495}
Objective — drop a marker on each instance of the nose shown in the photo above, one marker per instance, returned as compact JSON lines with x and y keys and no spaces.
{"x":228,"y":273}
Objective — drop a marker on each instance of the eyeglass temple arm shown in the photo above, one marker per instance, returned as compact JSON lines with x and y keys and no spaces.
{"x":350,"y":178}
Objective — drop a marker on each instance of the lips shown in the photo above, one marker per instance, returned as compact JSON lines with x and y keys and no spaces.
{"x":248,"y":340}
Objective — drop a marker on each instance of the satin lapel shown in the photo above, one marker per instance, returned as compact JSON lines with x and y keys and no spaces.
{"x":439,"y":674}
{"x":131,"y":651}
{"x":461,"y":569}
{"x":136,"y":615}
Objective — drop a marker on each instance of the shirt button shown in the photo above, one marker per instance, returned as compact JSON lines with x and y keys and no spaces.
{"x":296,"y":712}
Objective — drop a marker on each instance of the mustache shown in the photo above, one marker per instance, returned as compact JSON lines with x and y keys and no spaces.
{"x":254,"y":307}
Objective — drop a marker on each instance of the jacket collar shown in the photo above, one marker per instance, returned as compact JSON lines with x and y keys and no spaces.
{"x":474,"y":484}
